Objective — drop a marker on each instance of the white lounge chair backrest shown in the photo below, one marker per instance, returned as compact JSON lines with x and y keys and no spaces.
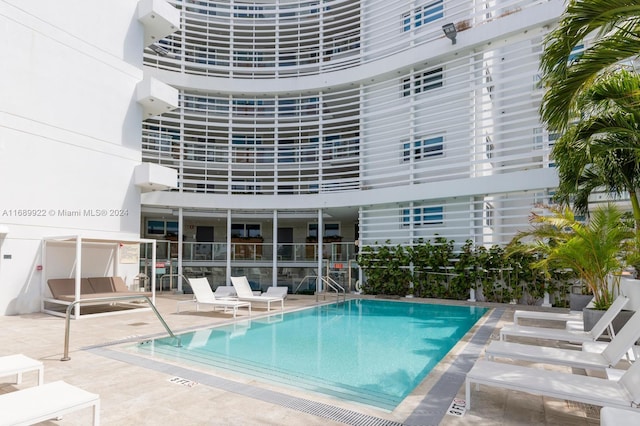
{"x":631,"y":382}
{"x":202,"y":290}
{"x":277,"y":292}
{"x":625,"y":338}
{"x":241,"y":284}
{"x":608,"y":316}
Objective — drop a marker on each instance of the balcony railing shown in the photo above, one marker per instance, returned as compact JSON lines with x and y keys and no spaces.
{"x":255,"y":252}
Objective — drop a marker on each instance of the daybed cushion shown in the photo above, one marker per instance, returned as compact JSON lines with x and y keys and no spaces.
{"x":119,"y":285}
{"x":102,"y":284}
{"x":90,"y":288}
{"x":61,"y":287}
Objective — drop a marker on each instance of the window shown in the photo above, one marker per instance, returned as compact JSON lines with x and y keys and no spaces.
{"x":245,"y":230}
{"x":433,"y":11}
{"x":247,"y":149}
{"x":543,"y":139}
{"x":423,"y":216}
{"x":489,"y":213}
{"x":432,"y":215}
{"x":432,"y":79}
{"x":428,"y":13}
{"x":330,"y":230}
{"x":162,"y":227}
{"x":431,"y":147}
{"x":488,"y":146}
{"x":423,"y":82}
{"x":286,"y":151}
{"x":406,"y":22}
{"x":406,"y":87}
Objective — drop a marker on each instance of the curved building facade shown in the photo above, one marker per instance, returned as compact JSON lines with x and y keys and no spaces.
{"x":358,"y":118}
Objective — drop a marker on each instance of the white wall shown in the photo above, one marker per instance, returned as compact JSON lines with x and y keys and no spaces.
{"x":70,"y":131}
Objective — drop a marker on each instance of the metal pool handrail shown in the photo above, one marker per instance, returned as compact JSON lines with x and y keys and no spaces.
{"x":333,"y":285}
{"x":67,"y":329}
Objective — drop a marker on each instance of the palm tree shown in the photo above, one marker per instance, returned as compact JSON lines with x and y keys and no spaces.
{"x":590,"y":250}
{"x":617,"y":23}
{"x":601,"y":150}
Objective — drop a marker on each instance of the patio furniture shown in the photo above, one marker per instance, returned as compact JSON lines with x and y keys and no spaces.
{"x":243,"y":289}
{"x":18,"y":364}
{"x":568,"y":335}
{"x":203,"y":295}
{"x":610,"y":416}
{"x":45,"y":402}
{"x":624,"y":393}
{"x":613,"y":352}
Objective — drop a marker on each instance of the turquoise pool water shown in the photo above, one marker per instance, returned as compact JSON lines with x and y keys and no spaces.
{"x":368,"y":351}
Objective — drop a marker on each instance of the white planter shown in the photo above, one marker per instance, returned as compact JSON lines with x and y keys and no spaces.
{"x":631,"y":288}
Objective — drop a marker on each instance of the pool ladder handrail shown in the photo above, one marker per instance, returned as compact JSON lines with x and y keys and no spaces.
{"x":333,"y":285}
{"x":67,"y":329}
{"x":306,"y":277}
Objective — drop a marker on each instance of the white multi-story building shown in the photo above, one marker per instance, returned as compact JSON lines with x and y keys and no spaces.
{"x":356,"y":120}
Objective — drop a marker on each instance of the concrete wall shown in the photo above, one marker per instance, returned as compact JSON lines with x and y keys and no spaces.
{"x":69,"y":131}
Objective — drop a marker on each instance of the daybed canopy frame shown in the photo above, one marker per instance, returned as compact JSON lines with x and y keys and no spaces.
{"x":79,"y":242}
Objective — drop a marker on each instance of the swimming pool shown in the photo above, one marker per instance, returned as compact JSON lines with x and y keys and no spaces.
{"x":368,"y":351}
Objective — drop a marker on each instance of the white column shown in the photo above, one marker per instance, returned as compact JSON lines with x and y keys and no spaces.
{"x":76,"y":308}
{"x":228,"y":247}
{"x":180,"y":234}
{"x":274,"y":268}
{"x":320,"y":235}
{"x":153,"y":271}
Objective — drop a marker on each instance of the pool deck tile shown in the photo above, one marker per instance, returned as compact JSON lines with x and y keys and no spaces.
{"x":141,"y":393}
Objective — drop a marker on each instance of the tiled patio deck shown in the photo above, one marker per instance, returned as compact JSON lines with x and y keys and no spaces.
{"x":139,"y":392}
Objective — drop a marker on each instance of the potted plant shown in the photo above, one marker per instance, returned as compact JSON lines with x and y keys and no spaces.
{"x":593,"y":250}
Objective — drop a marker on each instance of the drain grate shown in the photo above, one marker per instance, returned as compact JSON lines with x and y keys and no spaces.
{"x":331,"y":412}
{"x":591,"y":411}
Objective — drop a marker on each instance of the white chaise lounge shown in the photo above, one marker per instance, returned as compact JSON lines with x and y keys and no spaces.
{"x":45,"y":402}
{"x":547,"y":316}
{"x":567,"y":335}
{"x":277,"y":292}
{"x":203,"y":295}
{"x":244,"y":292}
{"x":18,"y":364}
{"x":610,"y":416}
{"x":613,"y":352}
{"x":587,"y":389}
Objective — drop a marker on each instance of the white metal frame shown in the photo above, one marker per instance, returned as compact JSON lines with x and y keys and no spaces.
{"x":78,"y":241}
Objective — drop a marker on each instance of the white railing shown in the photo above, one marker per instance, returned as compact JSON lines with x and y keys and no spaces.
{"x":311,"y":38}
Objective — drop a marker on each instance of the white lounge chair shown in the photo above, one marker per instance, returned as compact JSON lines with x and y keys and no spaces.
{"x":225,"y":292}
{"x":45,"y":402}
{"x":277,"y":292}
{"x":18,"y":364}
{"x":576,"y":336}
{"x":609,"y":357}
{"x":572,"y":319}
{"x":587,"y":389}
{"x":244,"y":292}
{"x":610,"y":416}
{"x":203,"y":295}
{"x":548,"y":316}
{"x":552,"y":316}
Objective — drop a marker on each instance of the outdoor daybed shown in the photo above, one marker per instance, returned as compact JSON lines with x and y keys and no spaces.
{"x":63,"y":291}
